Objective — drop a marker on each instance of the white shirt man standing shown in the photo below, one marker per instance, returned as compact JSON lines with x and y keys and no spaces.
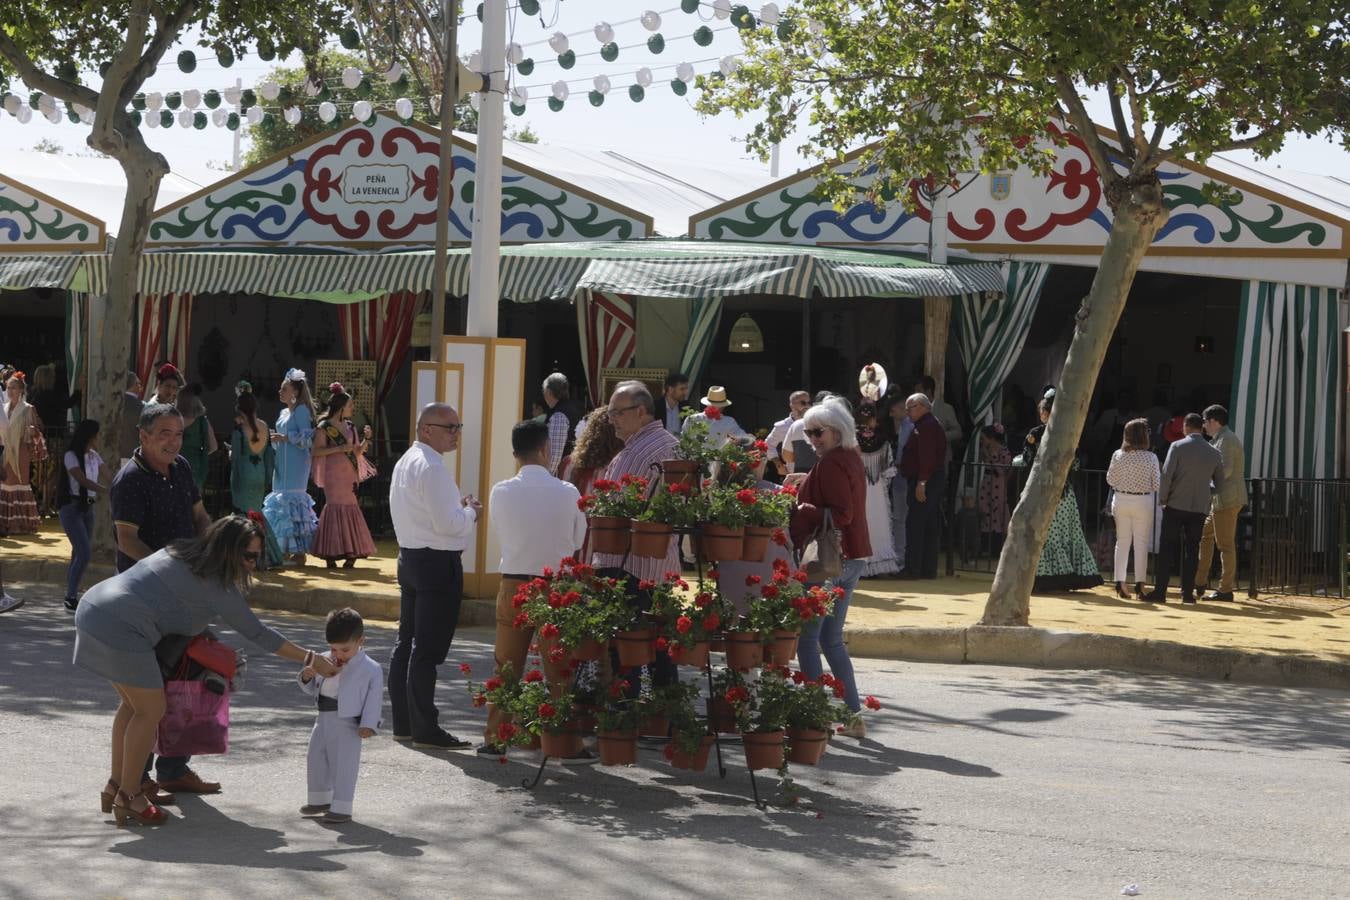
{"x":433,"y":524}
{"x":538,"y":522}
{"x":722,"y":428}
{"x":798,"y":403}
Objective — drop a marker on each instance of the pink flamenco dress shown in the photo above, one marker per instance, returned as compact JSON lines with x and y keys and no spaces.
{"x":342,"y":533}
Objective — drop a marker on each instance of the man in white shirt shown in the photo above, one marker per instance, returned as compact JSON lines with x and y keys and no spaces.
{"x":722,"y":428}
{"x":798,"y":403}
{"x":433,"y":524}
{"x":538,"y":523}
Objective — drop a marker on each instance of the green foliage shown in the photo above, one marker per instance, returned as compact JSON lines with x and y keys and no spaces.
{"x":524,"y":135}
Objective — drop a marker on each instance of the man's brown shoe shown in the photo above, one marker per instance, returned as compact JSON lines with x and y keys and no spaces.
{"x":190,"y":783}
{"x":152,"y":791}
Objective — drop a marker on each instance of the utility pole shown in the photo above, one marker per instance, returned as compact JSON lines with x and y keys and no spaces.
{"x":445,"y":174}
{"x":238,"y":86}
{"x":485,"y":255}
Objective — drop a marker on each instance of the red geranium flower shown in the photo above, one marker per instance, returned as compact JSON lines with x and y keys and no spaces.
{"x":505,"y":732}
{"x":712,"y":412}
{"x":747,"y":497}
{"x":534,"y":675}
{"x":464,"y":667}
{"x":780,"y":537}
{"x":711,"y":621}
{"x":546,"y":710}
{"x":646,"y":584}
{"x":480,"y":700}
{"x":683,"y":624}
{"x":548,"y":631}
{"x":713,"y":574}
{"x":769,"y":592}
{"x":660,"y":644}
{"x":557,"y":655}
{"x":751,"y":580}
{"x":872,"y":702}
{"x":789,"y":489}
{"x":492,"y":683}
{"x":567,"y":562}
{"x":737,"y":694}
{"x":521,"y":620}
{"x":583,"y":502}
{"x":703,"y":600}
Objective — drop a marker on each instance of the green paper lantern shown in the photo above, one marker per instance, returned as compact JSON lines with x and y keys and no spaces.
{"x":364,"y":89}
{"x":232,"y":122}
{"x":741,"y":17}
{"x":525,"y":66}
{"x":267,"y":51}
{"x":267,"y":120}
{"x":402,"y":84}
{"x":173,"y":99}
{"x":679,"y":87}
{"x":286,"y":96}
{"x":636,"y":93}
{"x":656,"y":43}
{"x":73,"y":116}
{"x":689,"y":6}
{"x":224,"y":56}
{"x":66,"y":71}
{"x":136,"y":118}
{"x":103,"y":68}
{"x":479,"y":12}
{"x":350,"y":38}
{"x":137,"y":102}
{"x":187,"y":61}
{"x":370,"y":120}
{"x":784,"y":29}
{"x":609,"y":52}
{"x":529,"y":7}
{"x":597,"y":98}
{"x":165,"y":119}
{"x":555,"y":104}
{"x":517,"y":109}
{"x":247,"y":98}
{"x":211,"y":98}
{"x":567,"y":60}
{"x":703,"y":36}
{"x":199,"y":120}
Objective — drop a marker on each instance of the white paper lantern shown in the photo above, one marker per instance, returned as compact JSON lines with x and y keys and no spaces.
{"x":604,"y":32}
{"x":729,"y":64}
{"x":475,"y":63}
{"x":519,"y":95}
{"x":311,"y":89}
{"x":87,"y":117}
{"x":153,"y":101}
{"x":55,"y":117}
{"x":218,"y":116}
{"x":185,"y":118}
{"x":769,"y":14}
{"x":46,"y":105}
{"x":254,"y":115}
{"x":651,"y":20}
{"x":269,"y":90}
{"x":327,"y":111}
{"x":150,"y":121}
{"x":403,"y":108}
{"x":559,"y":43}
{"x":361,"y":110}
{"x":601,"y":83}
{"x":644,"y":76}
{"x":394,"y":73}
{"x":292,"y":115}
{"x":685,"y":72}
{"x":11,"y":104}
{"x":24,"y":115}
{"x":514,"y":53}
{"x":233,"y":95}
{"x":351,"y":77}
{"x":561,"y":90}
{"x":815,"y":26}
{"x":192,"y":98}
{"x":79,"y":108}
{"x":722,"y":9}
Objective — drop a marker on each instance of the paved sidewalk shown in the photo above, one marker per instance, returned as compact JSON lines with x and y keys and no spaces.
{"x":908,"y":620}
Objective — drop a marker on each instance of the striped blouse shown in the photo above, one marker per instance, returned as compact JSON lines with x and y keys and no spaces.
{"x":650,"y":445}
{"x":1133,"y":472}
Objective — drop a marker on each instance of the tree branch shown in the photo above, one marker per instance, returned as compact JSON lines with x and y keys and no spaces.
{"x":1136,"y":135}
{"x":167,"y":32}
{"x":39,"y":80}
{"x":1182,"y":151}
{"x":1082,"y":124}
{"x":1118,"y":115}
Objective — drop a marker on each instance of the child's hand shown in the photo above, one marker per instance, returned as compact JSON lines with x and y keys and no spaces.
{"x":307,"y":674}
{"x":366,"y":732}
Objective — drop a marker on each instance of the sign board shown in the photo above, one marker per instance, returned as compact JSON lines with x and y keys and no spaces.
{"x":357,"y":377}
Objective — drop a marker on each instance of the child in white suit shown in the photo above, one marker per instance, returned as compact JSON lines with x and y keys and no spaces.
{"x":349,"y":710}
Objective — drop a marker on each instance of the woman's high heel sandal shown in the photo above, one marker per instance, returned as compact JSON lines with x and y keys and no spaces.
{"x":1139,"y":590}
{"x":123,"y":811}
{"x":108,"y":796}
{"x":1120,"y":591}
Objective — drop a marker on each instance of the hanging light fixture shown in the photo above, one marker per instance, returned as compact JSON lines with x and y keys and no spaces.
{"x":746,"y":336}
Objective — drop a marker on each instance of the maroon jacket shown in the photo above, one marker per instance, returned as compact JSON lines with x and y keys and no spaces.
{"x":838,"y":483}
{"x":926,"y":450}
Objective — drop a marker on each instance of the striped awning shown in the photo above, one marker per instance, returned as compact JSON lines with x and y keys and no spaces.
{"x":38,"y":270}
{"x":688,"y":279}
{"x":841,"y":279}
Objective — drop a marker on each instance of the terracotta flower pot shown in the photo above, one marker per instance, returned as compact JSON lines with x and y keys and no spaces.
{"x":720,"y":543}
{"x":806,"y":745}
{"x":780,"y":647}
{"x":695,"y":762}
{"x":756,"y":545}
{"x":617,"y":748}
{"x":588,"y":651}
{"x":679,"y":471}
{"x":583,"y":718}
{"x":696,"y":656}
{"x":764,"y":749}
{"x":609,"y":534}
{"x":562,"y":745}
{"x":745,"y":649}
{"x":654,"y":725}
{"x":635,"y":647}
{"x":721,"y":716}
{"x":651,"y":540}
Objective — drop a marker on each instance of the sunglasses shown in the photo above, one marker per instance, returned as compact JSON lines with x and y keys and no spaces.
{"x":453,"y":429}
{"x":815,"y":432}
{"x":252,"y":556}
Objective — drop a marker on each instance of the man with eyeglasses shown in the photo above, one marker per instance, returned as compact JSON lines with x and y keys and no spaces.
{"x":432,"y":524}
{"x":632,"y":412}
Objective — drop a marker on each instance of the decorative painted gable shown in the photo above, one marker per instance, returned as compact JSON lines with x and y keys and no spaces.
{"x":30,"y":221}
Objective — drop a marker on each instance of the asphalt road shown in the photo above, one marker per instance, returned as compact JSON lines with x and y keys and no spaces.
{"x":974,"y":782}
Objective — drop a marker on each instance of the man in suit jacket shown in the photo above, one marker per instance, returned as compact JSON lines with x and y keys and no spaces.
{"x":1192,"y":467}
{"x":1221,"y":523}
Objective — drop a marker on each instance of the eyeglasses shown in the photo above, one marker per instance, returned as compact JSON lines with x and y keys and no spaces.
{"x":622,"y":409}
{"x":453,"y":429}
{"x":252,"y":556}
{"x":815,"y":432}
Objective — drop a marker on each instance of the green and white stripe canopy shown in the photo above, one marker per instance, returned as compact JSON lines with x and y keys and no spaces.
{"x":49,"y":270}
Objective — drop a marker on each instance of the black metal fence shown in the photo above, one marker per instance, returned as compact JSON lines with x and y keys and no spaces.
{"x":1299,"y":539}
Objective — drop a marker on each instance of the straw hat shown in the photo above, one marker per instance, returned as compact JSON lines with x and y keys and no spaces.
{"x":717,"y":396}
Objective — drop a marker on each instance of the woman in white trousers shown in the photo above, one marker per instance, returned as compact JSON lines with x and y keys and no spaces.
{"x":1133,"y":476}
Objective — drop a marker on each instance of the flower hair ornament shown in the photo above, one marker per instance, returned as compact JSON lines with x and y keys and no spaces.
{"x":169,"y":370}
{"x":257,"y":518}
{"x":336,"y":388}
{"x":1049,"y":394}
{"x":242,"y":387}
{"x":296,"y":375}
{"x":19,"y":374}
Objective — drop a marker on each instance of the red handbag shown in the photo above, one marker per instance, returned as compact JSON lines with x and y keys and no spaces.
{"x":212,"y":654}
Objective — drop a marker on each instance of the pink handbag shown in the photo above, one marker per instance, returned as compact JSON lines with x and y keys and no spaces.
{"x":196,"y":721}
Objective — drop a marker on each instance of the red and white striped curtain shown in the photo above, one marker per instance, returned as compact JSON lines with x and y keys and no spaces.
{"x":148,"y":333}
{"x":380,"y":329}
{"x":154,"y":342}
{"x":608,"y":327}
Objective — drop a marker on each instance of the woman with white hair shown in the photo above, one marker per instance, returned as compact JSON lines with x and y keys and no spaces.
{"x":837,"y":483}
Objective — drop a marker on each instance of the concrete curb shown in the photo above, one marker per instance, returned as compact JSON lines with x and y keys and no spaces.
{"x":1054,"y":649}
{"x":1038,"y":647}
